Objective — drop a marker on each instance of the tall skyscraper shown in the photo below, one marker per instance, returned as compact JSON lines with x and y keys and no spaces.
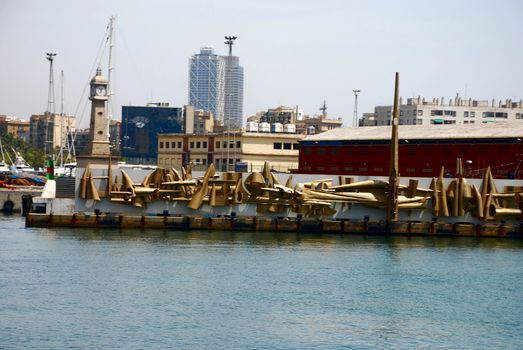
{"x":216,"y":85}
{"x":207,"y":82}
{"x":233,"y":92}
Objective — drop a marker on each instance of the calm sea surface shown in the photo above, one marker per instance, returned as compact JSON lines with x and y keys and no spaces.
{"x":111,"y":289}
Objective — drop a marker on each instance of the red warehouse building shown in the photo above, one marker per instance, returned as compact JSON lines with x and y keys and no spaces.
{"x":423,"y":150}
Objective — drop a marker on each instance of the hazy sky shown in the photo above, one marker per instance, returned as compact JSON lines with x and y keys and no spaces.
{"x":293,"y":52}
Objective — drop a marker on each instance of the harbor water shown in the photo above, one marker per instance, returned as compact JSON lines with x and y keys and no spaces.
{"x":156,"y":289}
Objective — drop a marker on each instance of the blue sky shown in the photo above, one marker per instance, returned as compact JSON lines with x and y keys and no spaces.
{"x":293,"y":52}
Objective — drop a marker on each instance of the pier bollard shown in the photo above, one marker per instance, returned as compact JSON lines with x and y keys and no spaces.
{"x":502,"y":230}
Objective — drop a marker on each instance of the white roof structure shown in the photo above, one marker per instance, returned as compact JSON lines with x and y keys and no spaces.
{"x":417,"y":132}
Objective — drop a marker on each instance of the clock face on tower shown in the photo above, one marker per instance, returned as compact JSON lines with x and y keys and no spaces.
{"x":100,"y":91}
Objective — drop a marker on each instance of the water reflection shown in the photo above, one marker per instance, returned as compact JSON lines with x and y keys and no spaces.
{"x":394,"y":243}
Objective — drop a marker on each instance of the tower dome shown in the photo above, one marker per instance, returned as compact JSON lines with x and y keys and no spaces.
{"x":98,"y":78}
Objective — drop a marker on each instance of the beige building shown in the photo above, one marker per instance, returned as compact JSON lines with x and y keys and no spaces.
{"x":317,"y":124}
{"x":241,"y":150}
{"x":55,"y":126}
{"x":418,"y":111}
{"x":15,"y":127}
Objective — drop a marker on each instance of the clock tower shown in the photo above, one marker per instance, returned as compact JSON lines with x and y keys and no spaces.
{"x":98,"y":150}
{"x":98,"y":132}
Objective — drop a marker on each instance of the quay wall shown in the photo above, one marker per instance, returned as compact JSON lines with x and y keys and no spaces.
{"x":12,"y":200}
{"x":281,"y":224}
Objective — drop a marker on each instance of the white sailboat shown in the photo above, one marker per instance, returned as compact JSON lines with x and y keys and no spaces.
{"x":21,"y":167}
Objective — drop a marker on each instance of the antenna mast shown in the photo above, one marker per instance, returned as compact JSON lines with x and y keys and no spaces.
{"x":229,"y":41}
{"x":50,"y":100}
{"x":323,"y":109}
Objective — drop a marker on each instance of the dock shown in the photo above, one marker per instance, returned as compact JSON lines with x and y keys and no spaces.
{"x":280,"y":224}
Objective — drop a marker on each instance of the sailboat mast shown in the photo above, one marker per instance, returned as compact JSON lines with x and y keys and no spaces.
{"x":61,"y":154}
{"x":110,"y":74}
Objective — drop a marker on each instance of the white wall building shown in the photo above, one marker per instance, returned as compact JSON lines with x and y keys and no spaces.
{"x":418,"y":111}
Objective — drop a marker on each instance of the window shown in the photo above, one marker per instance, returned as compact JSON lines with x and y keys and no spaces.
{"x":287,"y":146}
{"x":167,"y":145}
{"x":173,"y":144}
{"x":192,"y":144}
{"x":204,"y":144}
{"x":161,"y":144}
{"x":420,"y":112}
{"x":501,"y":115}
{"x":488,"y":114}
{"x":295,"y":146}
{"x":238,"y":144}
{"x":224,"y":144}
{"x":198,"y":144}
{"x":472,"y":114}
{"x":419,"y":121}
{"x":231,"y":144}
{"x":450,"y":113}
{"x":217,"y":144}
{"x":401,"y":113}
{"x":466,"y":114}
{"x":179,"y":144}
{"x":519,"y":115}
{"x":436,"y":112}
{"x":277,"y":145}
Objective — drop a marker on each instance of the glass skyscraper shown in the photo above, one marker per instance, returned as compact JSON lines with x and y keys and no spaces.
{"x":207,"y":82}
{"x":216,"y":85}
{"x":233,"y":92}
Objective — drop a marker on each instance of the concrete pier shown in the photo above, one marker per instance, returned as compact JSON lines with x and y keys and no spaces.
{"x":231,"y":223}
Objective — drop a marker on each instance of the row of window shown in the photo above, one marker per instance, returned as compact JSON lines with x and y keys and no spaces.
{"x":286,"y":145}
{"x":172,"y":144}
{"x":466,"y":114}
{"x":223,"y":144}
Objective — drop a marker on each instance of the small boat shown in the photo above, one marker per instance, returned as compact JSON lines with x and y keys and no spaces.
{"x":20,"y":166}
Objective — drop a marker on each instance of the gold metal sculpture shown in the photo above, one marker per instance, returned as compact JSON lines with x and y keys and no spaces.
{"x":317,"y":198}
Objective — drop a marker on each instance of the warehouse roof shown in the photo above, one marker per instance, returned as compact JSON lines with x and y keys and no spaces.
{"x":414,"y":132}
